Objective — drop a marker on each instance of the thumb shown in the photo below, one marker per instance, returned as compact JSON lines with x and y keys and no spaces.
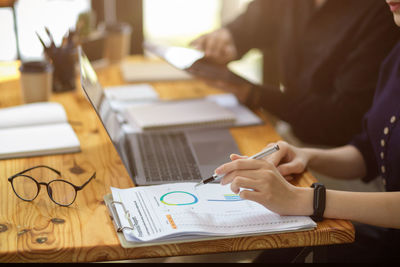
{"x":290,"y":168}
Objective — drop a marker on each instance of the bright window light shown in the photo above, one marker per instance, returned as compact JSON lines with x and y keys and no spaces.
{"x":179,"y":21}
{"x":33,"y":15}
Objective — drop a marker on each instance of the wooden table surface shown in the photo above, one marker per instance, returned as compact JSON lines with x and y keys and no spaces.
{"x":41,"y":231}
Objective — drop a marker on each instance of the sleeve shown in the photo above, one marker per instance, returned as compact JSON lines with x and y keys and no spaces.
{"x":353,"y":87}
{"x":256,"y":27}
{"x":363,"y":144}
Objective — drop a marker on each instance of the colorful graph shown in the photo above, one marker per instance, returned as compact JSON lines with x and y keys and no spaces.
{"x":228,"y":198}
{"x":180,"y":198}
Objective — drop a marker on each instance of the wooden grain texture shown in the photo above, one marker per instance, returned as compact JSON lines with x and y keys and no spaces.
{"x":41,"y":231}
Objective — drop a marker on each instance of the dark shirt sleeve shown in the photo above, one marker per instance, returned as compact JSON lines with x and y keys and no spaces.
{"x":351,"y":93}
{"x":256,"y":27}
{"x":363,"y":144}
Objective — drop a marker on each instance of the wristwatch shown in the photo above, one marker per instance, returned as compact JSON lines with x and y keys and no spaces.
{"x":319,"y":201}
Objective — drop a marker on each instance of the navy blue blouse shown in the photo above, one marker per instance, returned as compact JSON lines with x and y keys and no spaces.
{"x":379,"y":142}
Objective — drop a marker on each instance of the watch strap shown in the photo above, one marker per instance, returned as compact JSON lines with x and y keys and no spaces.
{"x":319,"y":201}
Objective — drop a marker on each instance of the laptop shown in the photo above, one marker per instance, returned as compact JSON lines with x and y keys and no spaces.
{"x":158,"y":157}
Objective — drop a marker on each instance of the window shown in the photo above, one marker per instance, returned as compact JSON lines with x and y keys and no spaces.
{"x":33,"y":15}
{"x":179,"y":21}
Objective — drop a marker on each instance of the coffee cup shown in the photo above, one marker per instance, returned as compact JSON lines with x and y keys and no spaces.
{"x":118,"y":39}
{"x":36,"y":81}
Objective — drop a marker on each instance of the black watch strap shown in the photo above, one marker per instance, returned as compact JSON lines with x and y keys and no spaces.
{"x":319,"y":201}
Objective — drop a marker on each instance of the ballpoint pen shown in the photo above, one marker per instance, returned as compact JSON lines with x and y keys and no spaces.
{"x":259,"y":155}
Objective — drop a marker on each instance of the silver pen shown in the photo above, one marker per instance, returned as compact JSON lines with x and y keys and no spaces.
{"x":259,"y":155}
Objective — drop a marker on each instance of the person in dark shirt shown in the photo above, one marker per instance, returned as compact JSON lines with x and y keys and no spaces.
{"x":325,"y":54}
{"x":372,"y":154}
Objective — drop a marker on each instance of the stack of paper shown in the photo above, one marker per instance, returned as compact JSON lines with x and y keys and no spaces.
{"x":181,"y":212}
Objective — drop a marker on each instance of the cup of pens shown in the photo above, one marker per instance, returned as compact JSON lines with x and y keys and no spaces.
{"x":63,"y":58}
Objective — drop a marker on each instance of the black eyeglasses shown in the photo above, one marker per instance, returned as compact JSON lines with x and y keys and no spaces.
{"x":60,"y":191}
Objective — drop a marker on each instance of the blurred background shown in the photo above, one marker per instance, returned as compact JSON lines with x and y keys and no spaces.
{"x":174,"y":22}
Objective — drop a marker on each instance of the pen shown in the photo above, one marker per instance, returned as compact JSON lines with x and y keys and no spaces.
{"x":46,"y":49}
{"x":50,"y":37}
{"x":259,"y":155}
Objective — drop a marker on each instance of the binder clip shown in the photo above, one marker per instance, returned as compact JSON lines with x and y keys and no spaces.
{"x":115,"y":218}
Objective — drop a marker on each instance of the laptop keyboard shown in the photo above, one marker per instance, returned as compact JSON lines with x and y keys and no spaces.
{"x":167,"y":157}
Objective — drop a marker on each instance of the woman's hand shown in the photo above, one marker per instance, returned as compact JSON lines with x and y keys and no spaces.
{"x":289,"y":159}
{"x":217,"y":46}
{"x":261,"y":182}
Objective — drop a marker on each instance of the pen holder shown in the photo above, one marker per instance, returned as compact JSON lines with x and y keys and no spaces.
{"x":64,"y":77}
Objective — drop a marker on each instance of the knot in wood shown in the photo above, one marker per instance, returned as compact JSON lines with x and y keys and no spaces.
{"x":3,"y":228}
{"x":41,"y":240}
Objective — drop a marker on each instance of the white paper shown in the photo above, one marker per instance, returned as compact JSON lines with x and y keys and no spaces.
{"x":152,"y":71}
{"x":244,"y":116}
{"x":188,"y":113}
{"x":38,"y":140}
{"x":32,"y":114}
{"x":131,"y":93}
{"x":173,"y":211}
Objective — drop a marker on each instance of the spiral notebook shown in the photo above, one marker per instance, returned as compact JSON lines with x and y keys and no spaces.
{"x":179,"y":212}
{"x":180,"y":114}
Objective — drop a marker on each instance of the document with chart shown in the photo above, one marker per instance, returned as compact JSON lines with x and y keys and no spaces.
{"x":180,"y":211}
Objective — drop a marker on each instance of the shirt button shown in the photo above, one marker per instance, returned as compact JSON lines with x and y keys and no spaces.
{"x":382,"y":143}
{"x":383,"y":169}
{"x":393,"y":119}
{"x":382,"y":155}
{"x":386,"y":130}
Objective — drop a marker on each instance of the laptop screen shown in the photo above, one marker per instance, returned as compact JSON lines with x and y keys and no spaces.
{"x":95,"y":94}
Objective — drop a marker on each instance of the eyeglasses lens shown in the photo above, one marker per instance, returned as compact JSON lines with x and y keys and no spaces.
{"x":61,"y":192}
{"x":25,"y":187}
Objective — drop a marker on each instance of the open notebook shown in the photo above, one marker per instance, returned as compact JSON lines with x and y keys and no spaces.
{"x":34,"y":130}
{"x":179,"y":212}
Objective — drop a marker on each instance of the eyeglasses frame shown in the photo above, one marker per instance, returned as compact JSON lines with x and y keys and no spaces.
{"x":38,"y":184}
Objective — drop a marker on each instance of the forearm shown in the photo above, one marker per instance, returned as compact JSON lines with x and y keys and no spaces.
{"x":344,"y":162}
{"x":379,"y":209}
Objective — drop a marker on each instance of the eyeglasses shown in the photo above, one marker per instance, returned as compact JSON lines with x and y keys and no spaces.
{"x":60,"y":191}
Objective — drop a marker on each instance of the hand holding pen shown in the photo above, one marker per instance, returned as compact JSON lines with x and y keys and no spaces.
{"x":263,"y":153}
{"x":261,"y":181}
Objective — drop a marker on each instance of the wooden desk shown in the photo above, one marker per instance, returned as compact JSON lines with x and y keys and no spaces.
{"x":33,"y":231}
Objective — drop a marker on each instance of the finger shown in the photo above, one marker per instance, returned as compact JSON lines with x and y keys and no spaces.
{"x":251,"y":195}
{"x":235,"y":157}
{"x":209,"y":46}
{"x":288,"y":178}
{"x":293,"y":167}
{"x":230,"y":53}
{"x":250,"y":174}
{"x":198,"y":43}
{"x":276,"y":158}
{"x":240,"y":164}
{"x":220,"y":46}
{"x":243,"y":182}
